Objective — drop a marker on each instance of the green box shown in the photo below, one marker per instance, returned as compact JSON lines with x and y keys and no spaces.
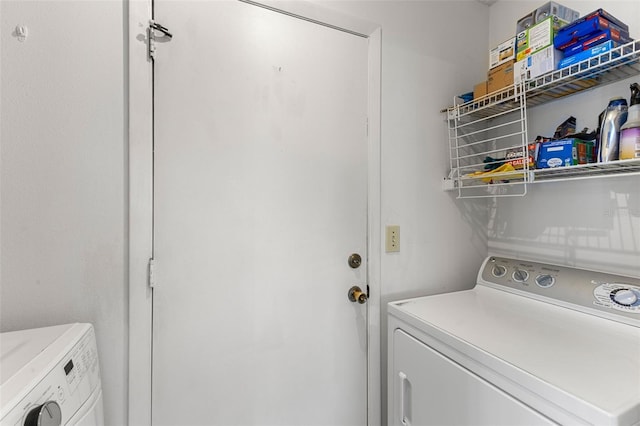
{"x":537,"y":37}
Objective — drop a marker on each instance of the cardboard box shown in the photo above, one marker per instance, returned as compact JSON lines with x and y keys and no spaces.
{"x":586,"y":54}
{"x":537,"y":37}
{"x":479,"y":90}
{"x":601,"y":37}
{"x":586,"y":152}
{"x":500,"y":77}
{"x":600,"y":13}
{"x":564,"y":152}
{"x":546,"y":10}
{"x":542,"y":62}
{"x":592,"y":43}
{"x":573,"y":34}
{"x":502,"y":53}
{"x":515,"y":158}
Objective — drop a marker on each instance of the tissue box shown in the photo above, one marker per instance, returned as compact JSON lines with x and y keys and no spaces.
{"x":564,"y":152}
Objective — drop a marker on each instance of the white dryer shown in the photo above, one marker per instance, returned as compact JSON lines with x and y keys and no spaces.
{"x":530,"y":344}
{"x":50,"y":376}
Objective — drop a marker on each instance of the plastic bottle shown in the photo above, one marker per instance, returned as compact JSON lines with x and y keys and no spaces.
{"x":630,"y":135}
{"x":614,"y":117}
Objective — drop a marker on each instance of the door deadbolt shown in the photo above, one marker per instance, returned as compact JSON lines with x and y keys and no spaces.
{"x":356,"y":295}
{"x":355,"y":260}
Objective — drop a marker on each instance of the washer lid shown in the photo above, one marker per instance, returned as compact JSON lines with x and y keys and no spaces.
{"x":587,"y":365}
{"x":19,"y":348}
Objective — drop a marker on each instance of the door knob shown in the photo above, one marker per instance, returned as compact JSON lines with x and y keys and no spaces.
{"x":356,"y":295}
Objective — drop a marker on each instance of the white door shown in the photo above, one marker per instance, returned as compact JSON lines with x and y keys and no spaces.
{"x":260,"y":196}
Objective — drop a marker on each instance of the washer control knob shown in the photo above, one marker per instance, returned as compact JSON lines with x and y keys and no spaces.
{"x":47,"y":414}
{"x":545,"y":280}
{"x":624,"y":297}
{"x":520,"y":275}
{"x":498,"y":271}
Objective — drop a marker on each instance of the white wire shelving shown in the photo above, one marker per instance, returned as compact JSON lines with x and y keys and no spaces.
{"x":495,"y":126}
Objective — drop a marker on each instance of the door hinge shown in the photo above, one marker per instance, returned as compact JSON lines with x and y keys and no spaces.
{"x":152,"y":273}
{"x":152,"y":36}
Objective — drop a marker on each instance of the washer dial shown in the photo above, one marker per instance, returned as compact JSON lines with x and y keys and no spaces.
{"x":498,"y":271}
{"x":545,"y":280}
{"x":47,"y":414}
{"x":624,"y":296}
{"x":520,"y":275}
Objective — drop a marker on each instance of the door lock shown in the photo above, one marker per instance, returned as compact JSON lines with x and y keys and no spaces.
{"x":355,"y":260}
{"x":357,"y":295}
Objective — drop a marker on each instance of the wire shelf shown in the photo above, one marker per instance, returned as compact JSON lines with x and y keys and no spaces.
{"x":477,"y":128}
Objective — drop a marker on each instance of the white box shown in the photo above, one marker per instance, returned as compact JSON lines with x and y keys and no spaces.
{"x":504,"y":52}
{"x":535,"y":65}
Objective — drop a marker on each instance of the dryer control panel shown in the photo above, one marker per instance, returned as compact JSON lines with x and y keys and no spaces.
{"x":611,"y":296}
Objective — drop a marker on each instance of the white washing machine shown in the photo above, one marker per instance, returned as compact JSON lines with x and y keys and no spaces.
{"x":50,"y":376}
{"x":530,"y":344}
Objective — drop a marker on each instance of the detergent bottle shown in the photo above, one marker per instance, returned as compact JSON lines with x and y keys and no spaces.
{"x":614,"y":117}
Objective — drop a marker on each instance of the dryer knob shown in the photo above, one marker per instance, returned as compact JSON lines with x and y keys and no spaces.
{"x":47,"y":414}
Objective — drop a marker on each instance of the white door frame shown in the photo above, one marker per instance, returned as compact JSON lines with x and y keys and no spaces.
{"x":141,"y":196}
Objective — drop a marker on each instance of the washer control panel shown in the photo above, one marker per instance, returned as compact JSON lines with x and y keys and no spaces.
{"x":59,"y":395}
{"x":619,"y":296}
{"x":612,"y":296}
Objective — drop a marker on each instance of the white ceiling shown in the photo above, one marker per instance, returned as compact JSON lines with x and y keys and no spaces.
{"x":487,"y":2}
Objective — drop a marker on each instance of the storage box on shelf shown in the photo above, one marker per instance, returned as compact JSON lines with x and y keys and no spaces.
{"x":486,"y":128}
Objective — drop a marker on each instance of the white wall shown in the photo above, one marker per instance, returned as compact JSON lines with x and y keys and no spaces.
{"x":590,"y":223}
{"x":63,"y":183}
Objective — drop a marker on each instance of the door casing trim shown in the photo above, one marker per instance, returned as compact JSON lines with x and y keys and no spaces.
{"x":140,"y":134}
